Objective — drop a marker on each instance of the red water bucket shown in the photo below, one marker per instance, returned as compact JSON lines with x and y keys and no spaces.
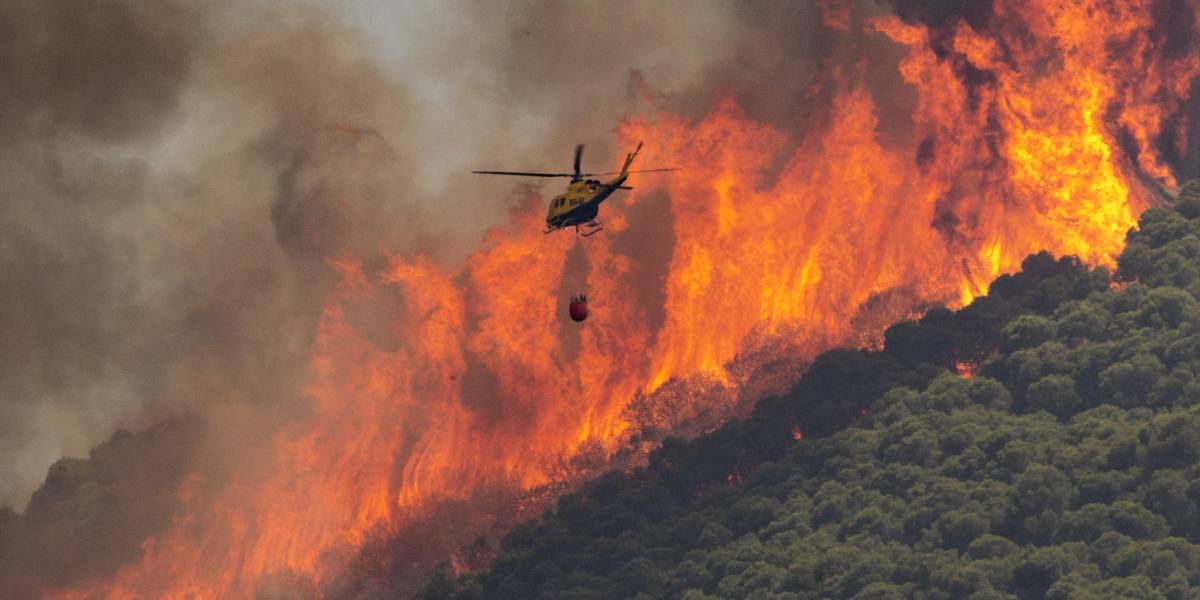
{"x":579,"y":308}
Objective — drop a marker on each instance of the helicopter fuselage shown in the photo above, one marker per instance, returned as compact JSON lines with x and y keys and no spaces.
{"x":581,"y":202}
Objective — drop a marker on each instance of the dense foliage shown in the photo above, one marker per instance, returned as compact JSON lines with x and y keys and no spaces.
{"x":1067,"y":465}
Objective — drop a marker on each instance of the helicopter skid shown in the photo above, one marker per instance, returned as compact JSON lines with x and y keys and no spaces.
{"x":593,"y":228}
{"x":581,"y":229}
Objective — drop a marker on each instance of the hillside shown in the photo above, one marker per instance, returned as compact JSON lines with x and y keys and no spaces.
{"x":1044,"y":441}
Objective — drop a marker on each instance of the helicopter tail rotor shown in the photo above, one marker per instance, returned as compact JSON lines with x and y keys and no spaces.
{"x":629,"y":159}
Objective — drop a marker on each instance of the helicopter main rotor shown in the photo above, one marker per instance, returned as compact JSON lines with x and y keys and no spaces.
{"x":576,"y":176}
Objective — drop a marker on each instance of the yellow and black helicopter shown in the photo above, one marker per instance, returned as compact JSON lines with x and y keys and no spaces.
{"x":580,"y":204}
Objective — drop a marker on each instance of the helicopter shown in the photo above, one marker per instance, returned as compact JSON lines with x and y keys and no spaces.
{"x":580,"y":204}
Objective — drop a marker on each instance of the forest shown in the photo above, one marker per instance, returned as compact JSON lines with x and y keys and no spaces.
{"x":1041,"y":442}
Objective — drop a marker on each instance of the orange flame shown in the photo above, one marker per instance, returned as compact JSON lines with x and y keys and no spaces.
{"x":773,"y":240}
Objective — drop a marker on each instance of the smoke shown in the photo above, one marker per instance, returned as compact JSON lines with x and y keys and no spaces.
{"x":171,"y":190}
{"x":170,"y":193}
{"x":176,"y":177}
{"x":86,"y":87}
{"x":975,"y":13}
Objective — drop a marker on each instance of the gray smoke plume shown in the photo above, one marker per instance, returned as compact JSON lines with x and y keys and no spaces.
{"x":88,"y":87}
{"x":170,"y":190}
{"x":175,"y":178}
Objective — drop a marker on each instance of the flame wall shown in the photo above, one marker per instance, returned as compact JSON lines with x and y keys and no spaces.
{"x":1040,"y":128}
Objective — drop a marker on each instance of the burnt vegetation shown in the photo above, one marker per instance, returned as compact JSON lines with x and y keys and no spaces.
{"x":1042,"y":442}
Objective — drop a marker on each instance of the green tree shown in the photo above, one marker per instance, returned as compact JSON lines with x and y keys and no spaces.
{"x":1054,"y":394}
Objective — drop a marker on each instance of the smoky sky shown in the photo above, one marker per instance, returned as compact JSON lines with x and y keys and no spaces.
{"x":175,"y":176}
{"x":145,"y":269}
{"x":79,"y":79}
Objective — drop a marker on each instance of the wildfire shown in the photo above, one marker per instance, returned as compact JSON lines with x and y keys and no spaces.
{"x":776,"y":236}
